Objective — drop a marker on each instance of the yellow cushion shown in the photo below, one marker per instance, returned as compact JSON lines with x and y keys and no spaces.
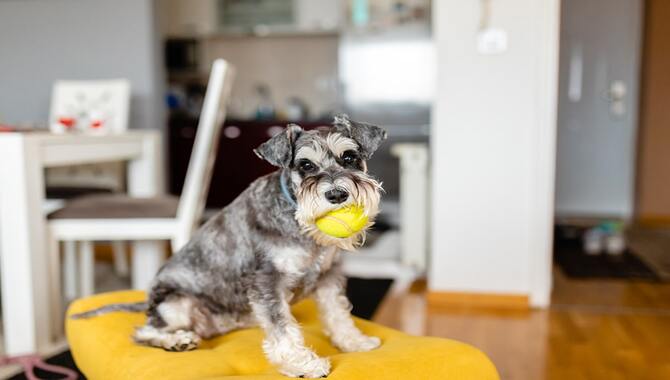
{"x":103,"y":349}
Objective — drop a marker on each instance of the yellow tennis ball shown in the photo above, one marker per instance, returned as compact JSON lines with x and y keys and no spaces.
{"x":343,"y":222}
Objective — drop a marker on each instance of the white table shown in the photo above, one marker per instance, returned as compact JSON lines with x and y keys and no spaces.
{"x":24,"y":261}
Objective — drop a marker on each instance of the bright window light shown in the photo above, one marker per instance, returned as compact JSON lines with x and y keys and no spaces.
{"x":389,"y":72}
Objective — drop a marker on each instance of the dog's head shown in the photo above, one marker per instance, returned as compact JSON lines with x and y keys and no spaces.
{"x":327,"y":170}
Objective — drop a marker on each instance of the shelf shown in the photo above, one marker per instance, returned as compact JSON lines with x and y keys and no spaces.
{"x":261,"y":32}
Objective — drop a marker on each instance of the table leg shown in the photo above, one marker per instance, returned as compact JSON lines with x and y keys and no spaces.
{"x":147,"y":258}
{"x":145,"y":179}
{"x":145,"y":173}
{"x":24,"y":259}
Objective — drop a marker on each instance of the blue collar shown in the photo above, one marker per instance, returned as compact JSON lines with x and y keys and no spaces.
{"x":284,"y":190}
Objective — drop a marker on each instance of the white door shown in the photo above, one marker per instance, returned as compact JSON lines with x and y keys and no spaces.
{"x":597,"y":114}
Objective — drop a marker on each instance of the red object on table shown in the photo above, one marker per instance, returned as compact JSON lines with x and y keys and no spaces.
{"x":68,"y":122}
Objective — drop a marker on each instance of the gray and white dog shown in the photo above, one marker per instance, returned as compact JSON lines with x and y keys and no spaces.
{"x":247,"y":264}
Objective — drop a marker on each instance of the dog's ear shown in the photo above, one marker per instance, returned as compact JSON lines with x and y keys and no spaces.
{"x":368,"y":136}
{"x":279,"y":149}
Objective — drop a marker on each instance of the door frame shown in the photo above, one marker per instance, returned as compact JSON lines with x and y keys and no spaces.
{"x":541,"y":234}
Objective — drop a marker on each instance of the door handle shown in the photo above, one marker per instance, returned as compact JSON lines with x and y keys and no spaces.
{"x":616,"y":95}
{"x":617,"y":91}
{"x":576,"y":73}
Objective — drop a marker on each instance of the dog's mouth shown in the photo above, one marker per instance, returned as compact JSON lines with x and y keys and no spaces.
{"x":343,"y":225}
{"x":347,"y":203}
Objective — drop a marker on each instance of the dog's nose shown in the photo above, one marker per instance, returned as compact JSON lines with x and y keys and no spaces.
{"x":336,"y":196}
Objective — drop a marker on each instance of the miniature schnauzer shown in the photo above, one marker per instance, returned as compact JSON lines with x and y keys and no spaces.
{"x":247,"y":264}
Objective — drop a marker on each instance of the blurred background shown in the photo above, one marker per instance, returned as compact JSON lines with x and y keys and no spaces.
{"x":527,"y":204}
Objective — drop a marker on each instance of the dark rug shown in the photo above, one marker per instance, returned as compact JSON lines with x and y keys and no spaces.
{"x":63,"y":359}
{"x":365,"y":296}
{"x":574,"y":262}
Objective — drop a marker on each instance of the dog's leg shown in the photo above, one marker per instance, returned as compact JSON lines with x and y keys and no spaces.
{"x":284,"y":345}
{"x":178,"y":340}
{"x":335,"y":314}
{"x":171,"y":327}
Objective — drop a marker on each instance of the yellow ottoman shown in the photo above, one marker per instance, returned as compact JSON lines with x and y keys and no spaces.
{"x":103,"y":349}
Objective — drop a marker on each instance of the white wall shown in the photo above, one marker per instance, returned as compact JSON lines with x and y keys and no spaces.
{"x":45,"y":40}
{"x":493,"y":150}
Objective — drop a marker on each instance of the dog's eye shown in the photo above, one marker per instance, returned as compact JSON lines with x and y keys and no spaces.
{"x":349,"y":157}
{"x":306,"y":166}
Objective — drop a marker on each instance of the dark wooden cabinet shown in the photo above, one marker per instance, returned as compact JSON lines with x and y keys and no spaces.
{"x":236,"y":165}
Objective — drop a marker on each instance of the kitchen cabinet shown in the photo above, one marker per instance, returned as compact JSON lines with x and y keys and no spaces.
{"x":236,"y":165}
{"x":184,"y":18}
{"x":211,"y":18}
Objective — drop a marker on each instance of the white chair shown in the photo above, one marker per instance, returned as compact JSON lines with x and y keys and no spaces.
{"x":400,"y":255}
{"x":88,"y":106}
{"x":145,"y":221}
{"x":95,"y":107}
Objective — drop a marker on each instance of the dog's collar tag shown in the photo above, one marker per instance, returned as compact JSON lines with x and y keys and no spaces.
{"x":284,"y":190}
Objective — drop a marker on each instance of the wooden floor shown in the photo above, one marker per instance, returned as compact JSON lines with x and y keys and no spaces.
{"x":594,"y":330}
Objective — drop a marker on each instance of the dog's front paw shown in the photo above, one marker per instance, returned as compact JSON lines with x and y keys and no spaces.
{"x":311,"y":367}
{"x":181,"y":340}
{"x":358,"y":343}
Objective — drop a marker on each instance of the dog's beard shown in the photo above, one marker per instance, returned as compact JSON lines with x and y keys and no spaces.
{"x":363,"y":191}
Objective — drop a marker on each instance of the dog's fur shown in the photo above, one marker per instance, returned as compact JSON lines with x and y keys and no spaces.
{"x":262,"y":252}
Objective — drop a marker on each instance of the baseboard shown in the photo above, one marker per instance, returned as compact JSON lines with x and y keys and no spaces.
{"x":653,"y":220}
{"x":477,"y":300}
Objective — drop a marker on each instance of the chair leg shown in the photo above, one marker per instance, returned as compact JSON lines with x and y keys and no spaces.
{"x":70,"y":270}
{"x":120,"y":258}
{"x":55,"y":293}
{"x":86,"y":268}
{"x":147,"y":258}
